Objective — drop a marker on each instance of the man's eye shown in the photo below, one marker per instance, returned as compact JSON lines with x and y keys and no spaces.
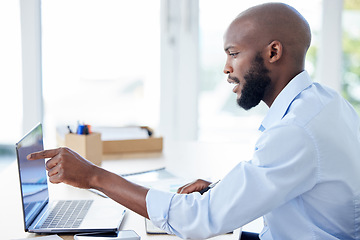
{"x":233,"y":54}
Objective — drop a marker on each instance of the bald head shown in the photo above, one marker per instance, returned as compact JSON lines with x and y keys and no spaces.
{"x":266,"y":47}
{"x":276,"y":21}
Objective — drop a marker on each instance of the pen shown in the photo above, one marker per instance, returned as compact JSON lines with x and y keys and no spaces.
{"x":69,"y":129}
{"x":98,"y":192}
{"x":202,"y":191}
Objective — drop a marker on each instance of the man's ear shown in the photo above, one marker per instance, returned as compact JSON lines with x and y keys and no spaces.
{"x":275,"y":50}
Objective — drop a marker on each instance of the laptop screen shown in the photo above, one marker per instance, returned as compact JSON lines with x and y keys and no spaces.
{"x":33,"y":181}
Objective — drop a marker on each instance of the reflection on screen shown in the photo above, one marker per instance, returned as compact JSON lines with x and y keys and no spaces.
{"x":32,"y":175}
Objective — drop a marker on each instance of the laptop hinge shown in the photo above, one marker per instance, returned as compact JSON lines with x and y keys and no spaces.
{"x":45,"y":203}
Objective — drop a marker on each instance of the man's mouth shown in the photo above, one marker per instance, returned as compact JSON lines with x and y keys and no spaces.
{"x":234,"y":81}
{"x":236,"y":88}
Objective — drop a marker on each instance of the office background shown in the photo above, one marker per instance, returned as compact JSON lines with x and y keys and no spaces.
{"x":157,"y":63}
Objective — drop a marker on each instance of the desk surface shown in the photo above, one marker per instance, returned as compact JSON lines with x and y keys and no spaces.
{"x":177,"y":158}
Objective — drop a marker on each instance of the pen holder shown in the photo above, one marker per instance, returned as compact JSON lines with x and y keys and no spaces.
{"x":88,"y":146}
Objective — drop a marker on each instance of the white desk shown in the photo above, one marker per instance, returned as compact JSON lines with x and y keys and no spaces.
{"x":189,"y":160}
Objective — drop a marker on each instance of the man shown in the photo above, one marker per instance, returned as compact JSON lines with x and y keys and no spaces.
{"x":304,"y":175}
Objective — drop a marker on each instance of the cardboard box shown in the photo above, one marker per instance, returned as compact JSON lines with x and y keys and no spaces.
{"x":130,"y":139}
{"x":88,"y":146}
{"x":150,"y":144}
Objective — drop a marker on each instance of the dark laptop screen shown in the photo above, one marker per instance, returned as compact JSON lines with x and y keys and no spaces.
{"x":33,"y":181}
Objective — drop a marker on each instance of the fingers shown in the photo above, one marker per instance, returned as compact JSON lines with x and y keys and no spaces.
{"x":186,"y":190}
{"x":55,"y":175}
{"x":53,"y":171}
{"x":181,"y":189}
{"x":52,"y":162}
{"x":44,"y":154}
{"x":66,"y":166}
{"x":195,"y":186}
{"x":53,"y":154}
{"x":58,"y":165}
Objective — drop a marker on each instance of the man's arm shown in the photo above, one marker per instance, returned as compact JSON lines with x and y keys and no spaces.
{"x":69,"y":167}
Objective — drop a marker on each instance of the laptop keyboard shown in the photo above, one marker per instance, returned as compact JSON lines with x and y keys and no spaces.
{"x":67,"y":214}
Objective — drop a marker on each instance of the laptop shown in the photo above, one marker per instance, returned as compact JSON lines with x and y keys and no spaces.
{"x":62,"y":216}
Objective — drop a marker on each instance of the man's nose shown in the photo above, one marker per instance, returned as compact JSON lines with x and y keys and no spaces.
{"x":227,"y":68}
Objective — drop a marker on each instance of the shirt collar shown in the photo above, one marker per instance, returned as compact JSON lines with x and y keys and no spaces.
{"x":284,"y":99}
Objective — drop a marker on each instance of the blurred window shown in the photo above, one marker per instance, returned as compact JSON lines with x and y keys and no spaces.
{"x":101,"y":62}
{"x":351,"y":52}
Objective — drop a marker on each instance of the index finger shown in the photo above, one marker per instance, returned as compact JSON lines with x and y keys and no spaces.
{"x":43,"y":154}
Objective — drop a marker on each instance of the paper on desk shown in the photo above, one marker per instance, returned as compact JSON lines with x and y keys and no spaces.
{"x":50,"y":237}
{"x":159,"y":179}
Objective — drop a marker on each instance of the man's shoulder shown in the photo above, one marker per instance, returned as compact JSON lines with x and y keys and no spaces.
{"x":311,"y":103}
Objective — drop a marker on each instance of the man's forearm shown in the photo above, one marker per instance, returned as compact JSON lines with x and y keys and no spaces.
{"x":120,"y":190}
{"x":69,"y":167}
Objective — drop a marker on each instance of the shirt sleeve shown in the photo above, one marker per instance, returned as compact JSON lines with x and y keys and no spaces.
{"x":284,"y":166}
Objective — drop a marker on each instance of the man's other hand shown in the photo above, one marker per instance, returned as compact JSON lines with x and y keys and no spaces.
{"x":67,"y":166}
{"x":195,"y":186}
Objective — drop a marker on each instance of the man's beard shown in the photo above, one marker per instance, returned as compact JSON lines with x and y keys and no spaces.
{"x":257,"y":81}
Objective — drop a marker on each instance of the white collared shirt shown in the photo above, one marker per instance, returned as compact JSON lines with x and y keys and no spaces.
{"x":304,"y":177}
